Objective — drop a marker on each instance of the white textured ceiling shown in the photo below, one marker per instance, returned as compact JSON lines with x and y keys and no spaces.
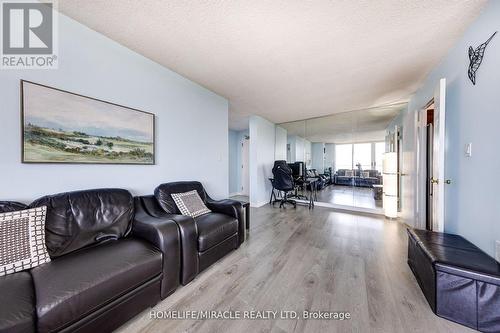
{"x":288,"y":59}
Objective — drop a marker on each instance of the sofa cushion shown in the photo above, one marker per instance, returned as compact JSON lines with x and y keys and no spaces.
{"x":81,"y":218}
{"x":190,"y":203}
{"x":213,"y":228}
{"x":163,"y":194}
{"x":72,"y":286}
{"x":341,"y":172}
{"x":17,"y":303}
{"x":11,"y":206}
{"x":22,"y":240}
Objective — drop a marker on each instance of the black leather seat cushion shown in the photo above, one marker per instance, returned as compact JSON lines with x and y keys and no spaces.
{"x":454,"y":250}
{"x":439,"y":238}
{"x":213,"y":228}
{"x":17,"y":303}
{"x":473,"y":260}
{"x":70,"y":287}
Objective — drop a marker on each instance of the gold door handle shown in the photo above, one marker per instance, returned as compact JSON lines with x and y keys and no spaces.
{"x":434,"y":181}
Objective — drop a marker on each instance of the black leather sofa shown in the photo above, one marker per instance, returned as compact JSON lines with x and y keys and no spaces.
{"x":460,"y":282}
{"x":107,"y":265}
{"x":322,"y":180}
{"x":357,"y":179}
{"x":204,"y":239}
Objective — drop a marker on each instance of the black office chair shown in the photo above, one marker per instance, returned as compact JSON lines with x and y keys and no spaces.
{"x":283,"y":181}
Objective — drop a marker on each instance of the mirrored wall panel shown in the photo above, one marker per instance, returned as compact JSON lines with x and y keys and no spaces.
{"x":342,"y":156}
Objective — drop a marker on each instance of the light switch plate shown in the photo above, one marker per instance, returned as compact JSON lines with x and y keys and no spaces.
{"x":497,"y":250}
{"x":468,"y":150}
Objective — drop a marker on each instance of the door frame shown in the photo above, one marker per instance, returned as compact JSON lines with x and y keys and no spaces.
{"x":245,"y":159}
{"x":440,"y":156}
{"x":439,"y":100}
{"x":421,"y":152}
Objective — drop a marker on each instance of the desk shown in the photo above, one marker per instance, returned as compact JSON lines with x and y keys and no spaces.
{"x":313,"y":186}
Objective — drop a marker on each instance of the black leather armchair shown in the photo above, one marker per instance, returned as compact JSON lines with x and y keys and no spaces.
{"x":206,"y":238}
{"x":164,"y":234}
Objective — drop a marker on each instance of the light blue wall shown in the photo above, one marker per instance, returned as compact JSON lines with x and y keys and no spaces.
{"x":235,"y":159}
{"x":262,"y":149}
{"x":318,"y":156}
{"x":281,"y":141}
{"x":330,"y":155}
{"x":191,"y":121}
{"x":234,"y":162}
{"x":397,"y":121}
{"x":292,"y":143}
{"x":472,"y":115}
{"x":300,"y":150}
{"x":307,"y":157}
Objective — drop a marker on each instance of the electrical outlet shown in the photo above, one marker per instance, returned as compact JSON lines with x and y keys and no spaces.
{"x":497,"y":250}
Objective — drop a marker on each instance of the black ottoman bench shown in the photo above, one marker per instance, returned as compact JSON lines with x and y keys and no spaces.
{"x":460,"y":282}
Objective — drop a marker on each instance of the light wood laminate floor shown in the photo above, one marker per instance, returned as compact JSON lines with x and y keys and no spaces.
{"x":301,"y":259}
{"x":349,"y":196}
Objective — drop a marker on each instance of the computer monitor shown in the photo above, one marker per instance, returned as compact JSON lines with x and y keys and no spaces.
{"x":297,"y":169}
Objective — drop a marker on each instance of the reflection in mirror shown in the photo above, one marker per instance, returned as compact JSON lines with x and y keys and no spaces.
{"x":345,"y":153}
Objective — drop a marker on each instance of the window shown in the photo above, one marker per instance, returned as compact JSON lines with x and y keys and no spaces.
{"x":363,"y":155}
{"x":379,"y":155}
{"x":343,"y":156}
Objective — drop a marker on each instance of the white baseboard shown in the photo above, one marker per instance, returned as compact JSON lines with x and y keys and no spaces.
{"x":258,"y":204}
{"x":238,"y":193}
{"x":346,"y":208}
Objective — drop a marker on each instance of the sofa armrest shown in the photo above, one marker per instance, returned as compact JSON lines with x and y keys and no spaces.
{"x":189,"y":242}
{"x":232,"y":208}
{"x":164,"y":235}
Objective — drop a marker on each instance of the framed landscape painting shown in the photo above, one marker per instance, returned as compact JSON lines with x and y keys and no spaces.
{"x":63,"y":127}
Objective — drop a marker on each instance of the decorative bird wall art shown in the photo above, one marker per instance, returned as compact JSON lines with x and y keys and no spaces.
{"x":476,"y":57}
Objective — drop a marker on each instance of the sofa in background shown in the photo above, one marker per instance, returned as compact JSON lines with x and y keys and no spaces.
{"x":107,"y":265}
{"x":357,"y":179}
{"x":322,"y":180}
{"x":204,"y":239}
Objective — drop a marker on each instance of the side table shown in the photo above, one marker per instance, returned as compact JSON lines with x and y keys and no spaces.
{"x":246,"y":206}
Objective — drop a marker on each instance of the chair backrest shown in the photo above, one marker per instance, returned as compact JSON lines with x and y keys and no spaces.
{"x":11,"y":206}
{"x":283,"y":176}
{"x":163,"y":194}
{"x":82,"y":218}
{"x":314,"y":172}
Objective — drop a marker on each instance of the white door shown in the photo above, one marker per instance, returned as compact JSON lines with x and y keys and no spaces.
{"x":245,"y":177}
{"x":438,"y":177}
